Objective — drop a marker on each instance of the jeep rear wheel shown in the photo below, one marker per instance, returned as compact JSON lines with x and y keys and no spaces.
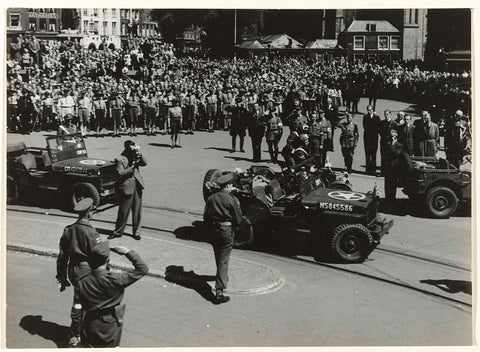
{"x":441,"y":202}
{"x":351,"y":243}
{"x":12,"y":190}
{"x":210,"y":176}
{"x":84,"y":190}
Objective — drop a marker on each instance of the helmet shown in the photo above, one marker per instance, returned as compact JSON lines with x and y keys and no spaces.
{"x":304,"y":137}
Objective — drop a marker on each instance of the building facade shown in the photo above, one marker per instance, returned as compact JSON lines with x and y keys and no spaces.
{"x":372,"y":40}
{"x":41,"y":22}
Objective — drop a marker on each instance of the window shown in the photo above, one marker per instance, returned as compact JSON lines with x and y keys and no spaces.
{"x":104,"y":11}
{"x":51,"y":26}
{"x":382,"y":42}
{"x":32,"y":24}
{"x":43,"y":24}
{"x":85,"y":26}
{"x":85,"y":12}
{"x":114,"y":28}
{"x":371,"y":27}
{"x":394,"y":43}
{"x":14,"y":20}
{"x":95,"y":12}
{"x":359,"y":42}
{"x":416,"y":16}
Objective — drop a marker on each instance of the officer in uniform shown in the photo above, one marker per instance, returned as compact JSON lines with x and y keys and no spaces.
{"x":222,"y":211}
{"x":116,"y":109}
{"x":320,"y":138}
{"x":348,"y":140}
{"x":256,"y":131}
{"x":240,"y":116}
{"x":101,"y":293}
{"x":76,"y":247}
{"x":273,"y":134}
{"x":454,"y":138}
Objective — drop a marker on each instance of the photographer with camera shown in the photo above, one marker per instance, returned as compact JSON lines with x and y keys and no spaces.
{"x":130,"y":189}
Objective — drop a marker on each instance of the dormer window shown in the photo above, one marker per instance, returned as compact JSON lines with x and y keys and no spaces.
{"x":371,"y":27}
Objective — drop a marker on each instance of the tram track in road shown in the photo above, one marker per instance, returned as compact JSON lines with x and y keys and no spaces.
{"x":301,"y":260}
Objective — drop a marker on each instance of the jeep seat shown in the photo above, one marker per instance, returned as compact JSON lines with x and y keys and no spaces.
{"x":275,"y":189}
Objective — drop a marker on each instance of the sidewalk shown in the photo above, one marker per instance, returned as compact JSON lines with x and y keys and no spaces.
{"x":177,"y":262}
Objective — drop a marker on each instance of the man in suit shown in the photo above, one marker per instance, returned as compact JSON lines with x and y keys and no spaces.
{"x":392,"y":150}
{"x":426,"y":136}
{"x":331,"y":114}
{"x":405,"y":131}
{"x":130,"y":189}
{"x":371,"y":128}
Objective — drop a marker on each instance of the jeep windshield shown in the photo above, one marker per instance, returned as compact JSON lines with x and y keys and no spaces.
{"x":66,"y":147}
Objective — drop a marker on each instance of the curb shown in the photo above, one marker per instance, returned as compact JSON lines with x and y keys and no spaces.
{"x":270,"y":287}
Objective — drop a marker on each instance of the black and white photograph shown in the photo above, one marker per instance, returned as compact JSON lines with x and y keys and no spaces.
{"x":238,"y":177}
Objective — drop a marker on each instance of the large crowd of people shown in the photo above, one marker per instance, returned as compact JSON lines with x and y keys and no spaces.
{"x":49,"y":79}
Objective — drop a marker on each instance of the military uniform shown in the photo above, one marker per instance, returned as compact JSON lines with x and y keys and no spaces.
{"x":273,"y":135}
{"x":348,"y":142}
{"x":222,"y":211}
{"x":76,"y":247}
{"x":256,"y":130}
{"x":240,"y":116}
{"x":101,"y":293}
{"x":320,"y":140}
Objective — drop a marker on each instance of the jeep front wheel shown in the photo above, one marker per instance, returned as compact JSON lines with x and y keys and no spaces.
{"x":12,"y":190}
{"x":351,"y":243}
{"x":84,"y":190}
{"x":441,"y":202}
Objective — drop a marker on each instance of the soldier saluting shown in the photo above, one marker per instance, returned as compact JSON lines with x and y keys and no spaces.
{"x":76,"y":248}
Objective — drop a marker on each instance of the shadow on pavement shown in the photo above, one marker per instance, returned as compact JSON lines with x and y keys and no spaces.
{"x":287,"y":245}
{"x":35,"y":325}
{"x":400,"y":207}
{"x":451,"y":286}
{"x":164,"y":145}
{"x":218,"y":148}
{"x":188,"y":279}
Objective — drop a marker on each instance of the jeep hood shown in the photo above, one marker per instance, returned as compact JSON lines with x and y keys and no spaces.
{"x":335,"y":199}
{"x":81,"y":165}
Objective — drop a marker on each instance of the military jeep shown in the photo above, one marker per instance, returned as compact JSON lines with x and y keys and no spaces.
{"x":435,"y":183}
{"x":63,"y":167}
{"x":344,"y":222}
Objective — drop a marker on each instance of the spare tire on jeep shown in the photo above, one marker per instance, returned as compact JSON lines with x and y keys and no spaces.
{"x":84,"y":190}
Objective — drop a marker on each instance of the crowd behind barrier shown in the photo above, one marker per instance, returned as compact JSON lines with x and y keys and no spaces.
{"x":49,"y":79}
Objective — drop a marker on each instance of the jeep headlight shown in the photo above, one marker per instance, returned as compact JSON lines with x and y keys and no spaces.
{"x":465,"y":177}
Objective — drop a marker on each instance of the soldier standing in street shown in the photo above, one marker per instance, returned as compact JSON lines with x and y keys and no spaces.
{"x":454,"y":136}
{"x":116,"y":110}
{"x":67,"y":127}
{"x":371,"y":126}
{"x":130,"y":189}
{"x":386,"y":125}
{"x":76,"y":247}
{"x":273,"y":134}
{"x":348,"y":141}
{"x":222,"y":211}
{"x":240,"y":116}
{"x":320,"y":138}
{"x":101,"y":293}
{"x":256,"y":130}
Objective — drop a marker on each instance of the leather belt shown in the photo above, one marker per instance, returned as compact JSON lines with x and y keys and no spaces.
{"x":223,"y":223}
